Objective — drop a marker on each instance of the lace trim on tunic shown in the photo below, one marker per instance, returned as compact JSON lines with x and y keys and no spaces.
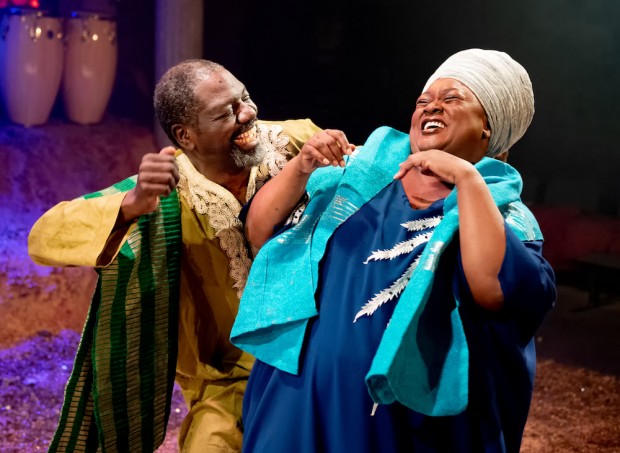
{"x":221,"y":207}
{"x":295,"y":217}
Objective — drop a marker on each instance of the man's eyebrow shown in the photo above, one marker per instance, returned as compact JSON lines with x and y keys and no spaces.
{"x":222,"y":107}
{"x":231,"y":100}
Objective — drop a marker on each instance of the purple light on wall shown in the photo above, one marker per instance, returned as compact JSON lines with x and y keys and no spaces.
{"x":34,"y":4}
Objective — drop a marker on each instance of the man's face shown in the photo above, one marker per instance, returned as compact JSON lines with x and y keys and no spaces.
{"x":227,"y":123}
{"x":449,"y":117}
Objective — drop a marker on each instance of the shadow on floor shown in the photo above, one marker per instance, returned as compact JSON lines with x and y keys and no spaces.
{"x":577,"y":334}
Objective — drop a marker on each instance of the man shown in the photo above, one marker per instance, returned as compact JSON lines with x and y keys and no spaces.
{"x":172,"y":260}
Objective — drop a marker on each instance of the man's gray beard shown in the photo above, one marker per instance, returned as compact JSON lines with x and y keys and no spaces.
{"x":249,"y":160}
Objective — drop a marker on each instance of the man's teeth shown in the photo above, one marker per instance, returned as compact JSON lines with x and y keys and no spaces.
{"x":433,"y":125}
{"x":247,"y":136}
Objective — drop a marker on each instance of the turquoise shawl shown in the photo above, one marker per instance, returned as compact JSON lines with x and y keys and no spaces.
{"x":278,"y":300}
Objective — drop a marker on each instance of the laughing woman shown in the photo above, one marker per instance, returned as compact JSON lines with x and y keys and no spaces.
{"x":396,"y":308}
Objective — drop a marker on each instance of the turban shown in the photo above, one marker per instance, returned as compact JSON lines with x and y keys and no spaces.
{"x":502,"y":86}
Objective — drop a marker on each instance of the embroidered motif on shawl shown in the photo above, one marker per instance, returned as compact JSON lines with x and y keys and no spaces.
{"x":402,"y":248}
{"x":222,"y":208}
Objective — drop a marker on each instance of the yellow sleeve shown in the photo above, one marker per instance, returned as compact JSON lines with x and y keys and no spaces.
{"x":298,"y":132}
{"x":79,"y":233}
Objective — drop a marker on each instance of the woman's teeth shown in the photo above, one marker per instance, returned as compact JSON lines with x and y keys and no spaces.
{"x":433,"y":125}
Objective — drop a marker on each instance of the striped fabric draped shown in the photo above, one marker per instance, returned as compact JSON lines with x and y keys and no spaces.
{"x":118,"y":396}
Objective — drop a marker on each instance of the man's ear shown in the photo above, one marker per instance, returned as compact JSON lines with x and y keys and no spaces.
{"x":503,"y":156}
{"x":183,"y":135}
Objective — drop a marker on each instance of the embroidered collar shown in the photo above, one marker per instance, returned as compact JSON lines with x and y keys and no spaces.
{"x":221,"y":207}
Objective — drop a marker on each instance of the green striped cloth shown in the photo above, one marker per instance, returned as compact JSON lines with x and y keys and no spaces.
{"x":118,"y":396}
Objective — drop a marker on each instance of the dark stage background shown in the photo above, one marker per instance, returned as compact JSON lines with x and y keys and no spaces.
{"x":356,"y":65}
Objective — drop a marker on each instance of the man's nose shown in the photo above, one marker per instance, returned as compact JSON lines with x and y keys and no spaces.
{"x":247,"y":113}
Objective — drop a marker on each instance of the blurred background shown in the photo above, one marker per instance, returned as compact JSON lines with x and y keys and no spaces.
{"x":356,"y":65}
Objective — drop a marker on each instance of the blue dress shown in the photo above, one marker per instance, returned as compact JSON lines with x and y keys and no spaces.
{"x":327,"y":408}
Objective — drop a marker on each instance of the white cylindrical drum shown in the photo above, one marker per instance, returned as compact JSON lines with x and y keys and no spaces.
{"x":90,"y":67}
{"x":31,"y":60}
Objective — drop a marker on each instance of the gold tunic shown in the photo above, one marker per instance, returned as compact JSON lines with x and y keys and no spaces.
{"x":215,"y":262}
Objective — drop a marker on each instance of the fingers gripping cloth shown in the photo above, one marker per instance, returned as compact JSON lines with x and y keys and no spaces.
{"x":502,"y":86}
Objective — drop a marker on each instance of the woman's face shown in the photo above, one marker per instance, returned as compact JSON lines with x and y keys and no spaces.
{"x":449,"y":117}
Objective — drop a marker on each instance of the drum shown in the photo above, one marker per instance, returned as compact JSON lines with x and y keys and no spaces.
{"x":90,"y":67}
{"x":31,"y":57}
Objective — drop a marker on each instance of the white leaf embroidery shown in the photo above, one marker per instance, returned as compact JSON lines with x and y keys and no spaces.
{"x":422,"y":224}
{"x":400,"y":249}
{"x":389,"y":293}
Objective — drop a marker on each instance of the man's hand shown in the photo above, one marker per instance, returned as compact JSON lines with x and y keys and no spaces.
{"x":158,"y":175}
{"x":327,"y":147}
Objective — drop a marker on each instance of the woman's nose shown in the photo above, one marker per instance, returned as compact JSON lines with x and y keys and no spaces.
{"x":433,"y":107}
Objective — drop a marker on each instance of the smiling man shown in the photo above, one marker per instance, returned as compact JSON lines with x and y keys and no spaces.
{"x":173,"y":261}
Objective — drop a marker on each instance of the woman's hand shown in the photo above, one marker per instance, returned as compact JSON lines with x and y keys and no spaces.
{"x":447,"y":167}
{"x":279,"y":196}
{"x":481,"y":225}
{"x":428,"y":176}
{"x":326,"y":147}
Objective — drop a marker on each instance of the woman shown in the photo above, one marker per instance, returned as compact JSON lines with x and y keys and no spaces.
{"x":397,"y":308}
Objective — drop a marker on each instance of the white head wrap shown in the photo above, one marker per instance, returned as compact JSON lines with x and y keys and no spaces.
{"x":502,"y":86}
